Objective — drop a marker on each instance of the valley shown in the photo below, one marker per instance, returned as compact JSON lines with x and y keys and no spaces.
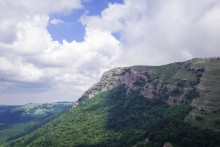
{"x":16,"y":121}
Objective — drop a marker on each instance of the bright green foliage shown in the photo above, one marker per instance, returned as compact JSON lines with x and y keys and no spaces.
{"x":115,"y":119}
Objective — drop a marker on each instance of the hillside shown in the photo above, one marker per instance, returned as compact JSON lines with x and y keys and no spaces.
{"x":174,"y":104}
{"x":15,"y":121}
{"x":207,"y":107}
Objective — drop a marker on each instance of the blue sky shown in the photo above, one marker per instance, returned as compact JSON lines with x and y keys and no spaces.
{"x":54,"y":50}
{"x":71,"y":28}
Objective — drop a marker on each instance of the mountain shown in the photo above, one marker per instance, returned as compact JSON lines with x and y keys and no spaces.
{"x":195,"y":82}
{"x":170,"y":105}
{"x":15,"y":121}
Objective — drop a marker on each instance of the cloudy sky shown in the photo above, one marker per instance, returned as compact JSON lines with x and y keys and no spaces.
{"x":53,"y":50}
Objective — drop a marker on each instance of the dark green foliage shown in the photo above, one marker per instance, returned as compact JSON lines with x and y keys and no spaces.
{"x":199,"y":71}
{"x":199,"y":118}
{"x":82,"y":98}
{"x":6,"y":108}
{"x":192,"y":94}
{"x":217,"y":124}
{"x":34,"y":125}
{"x":125,"y":71}
{"x":181,"y":83}
{"x":16,"y":121}
{"x":9,"y":117}
{"x":140,"y":82}
{"x":116,"y":119}
{"x":21,"y":114}
{"x":176,"y":92}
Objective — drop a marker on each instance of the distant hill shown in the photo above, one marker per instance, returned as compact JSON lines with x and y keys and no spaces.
{"x":173,"y":105}
{"x":17,"y":120}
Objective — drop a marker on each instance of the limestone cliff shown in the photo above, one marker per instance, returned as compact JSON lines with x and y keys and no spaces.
{"x":175,"y":83}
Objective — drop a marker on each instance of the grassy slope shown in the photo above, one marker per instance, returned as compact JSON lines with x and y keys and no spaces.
{"x":207,"y":111}
{"x":172,"y":74}
{"x":116,"y":119}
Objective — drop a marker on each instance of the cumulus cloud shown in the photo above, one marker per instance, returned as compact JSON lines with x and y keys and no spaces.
{"x":13,"y":12}
{"x":35,"y":68}
{"x":157,"y":32}
{"x":30,"y":58}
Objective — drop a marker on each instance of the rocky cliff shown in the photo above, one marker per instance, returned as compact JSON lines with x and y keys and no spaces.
{"x":175,"y":83}
{"x":195,"y":82}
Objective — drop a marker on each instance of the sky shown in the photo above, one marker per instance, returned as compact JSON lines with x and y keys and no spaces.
{"x":54,"y":50}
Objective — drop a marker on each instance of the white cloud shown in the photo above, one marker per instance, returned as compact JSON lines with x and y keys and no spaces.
{"x":156,"y":31}
{"x":21,"y":7}
{"x":13,"y":12}
{"x":19,"y":71}
{"x":56,"y":21}
{"x":29,"y":54}
{"x":150,"y":32}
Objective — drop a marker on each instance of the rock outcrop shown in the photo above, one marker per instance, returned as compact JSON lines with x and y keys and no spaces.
{"x":173,"y":83}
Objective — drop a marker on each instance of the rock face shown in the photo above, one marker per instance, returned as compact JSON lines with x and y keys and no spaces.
{"x":173,"y":83}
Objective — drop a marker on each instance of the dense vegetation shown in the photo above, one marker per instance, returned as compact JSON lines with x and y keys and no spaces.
{"x":115,"y":119}
{"x":11,"y":116}
{"x":16,"y":121}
